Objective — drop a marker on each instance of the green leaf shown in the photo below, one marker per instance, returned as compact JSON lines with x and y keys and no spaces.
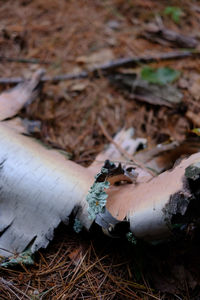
{"x":160,"y":76}
{"x":174,"y":12}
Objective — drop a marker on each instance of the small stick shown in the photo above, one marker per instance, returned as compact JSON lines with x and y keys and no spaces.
{"x":110,"y":66}
{"x":23,"y":60}
{"x":121,"y":150}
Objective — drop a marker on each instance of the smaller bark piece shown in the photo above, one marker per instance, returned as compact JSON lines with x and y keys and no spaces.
{"x":155,"y":207}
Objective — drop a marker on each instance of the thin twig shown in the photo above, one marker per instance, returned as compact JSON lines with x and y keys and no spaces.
{"x":23,"y":60}
{"x":110,"y":66}
{"x":121,"y":150}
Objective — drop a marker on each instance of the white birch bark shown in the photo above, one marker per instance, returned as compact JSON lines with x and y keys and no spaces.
{"x":39,"y":188}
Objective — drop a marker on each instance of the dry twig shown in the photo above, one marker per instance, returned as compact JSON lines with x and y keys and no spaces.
{"x":110,"y":66}
{"x":23,"y":60}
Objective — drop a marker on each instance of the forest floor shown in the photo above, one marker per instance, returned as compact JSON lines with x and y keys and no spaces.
{"x":69,"y":37}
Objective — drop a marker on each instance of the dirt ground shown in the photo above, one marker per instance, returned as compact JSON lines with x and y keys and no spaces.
{"x":68,"y":37}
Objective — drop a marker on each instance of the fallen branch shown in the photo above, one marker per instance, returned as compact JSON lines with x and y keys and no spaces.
{"x":110,"y":66}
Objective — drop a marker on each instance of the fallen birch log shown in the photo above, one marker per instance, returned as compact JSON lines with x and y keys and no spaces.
{"x":40,"y":189}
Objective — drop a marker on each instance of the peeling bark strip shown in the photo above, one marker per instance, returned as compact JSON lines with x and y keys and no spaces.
{"x":40,"y":189}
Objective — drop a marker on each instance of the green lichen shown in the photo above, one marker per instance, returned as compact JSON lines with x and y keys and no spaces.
{"x":97,"y":196}
{"x":24,"y":258}
{"x":77,"y":226}
{"x":193,"y":171}
{"x":130,"y":237}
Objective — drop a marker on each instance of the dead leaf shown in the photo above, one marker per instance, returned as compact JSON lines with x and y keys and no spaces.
{"x":101,"y":57}
{"x":78,"y":87}
{"x":163,"y":157}
{"x":23,"y":94}
{"x":17,"y":125}
{"x":76,"y":255}
{"x":194,"y":118}
{"x":194,"y":87}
